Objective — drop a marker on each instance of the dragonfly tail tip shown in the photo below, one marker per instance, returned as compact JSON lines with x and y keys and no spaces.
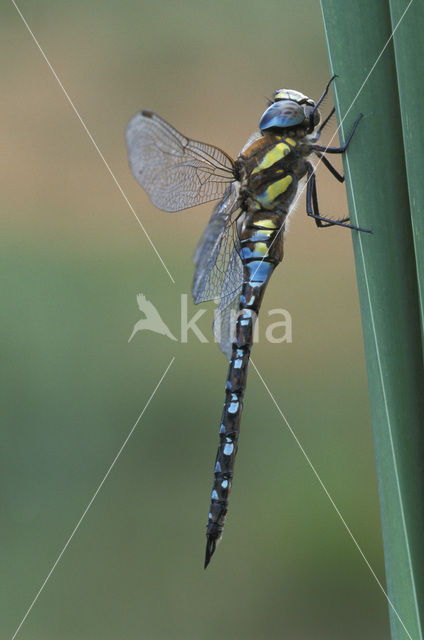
{"x":210,"y":549}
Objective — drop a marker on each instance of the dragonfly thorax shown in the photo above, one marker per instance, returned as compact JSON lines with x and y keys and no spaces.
{"x":269,"y":171}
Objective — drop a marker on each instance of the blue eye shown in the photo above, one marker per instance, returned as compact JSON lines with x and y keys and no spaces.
{"x":282,"y":114}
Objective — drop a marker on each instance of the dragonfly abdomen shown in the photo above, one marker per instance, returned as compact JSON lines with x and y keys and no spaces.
{"x":260,"y":258}
{"x":229,"y":428}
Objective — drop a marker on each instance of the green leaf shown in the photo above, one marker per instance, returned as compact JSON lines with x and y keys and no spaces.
{"x":408,"y":41}
{"x":382,"y":177}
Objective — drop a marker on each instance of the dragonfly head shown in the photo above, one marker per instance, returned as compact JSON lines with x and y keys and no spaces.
{"x":290,"y":110}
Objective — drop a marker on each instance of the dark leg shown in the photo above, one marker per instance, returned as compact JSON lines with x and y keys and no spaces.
{"x":312,"y":208}
{"x":325,"y":91}
{"x":311,"y":117}
{"x":318,"y":147}
{"x":318,"y":133}
{"x":330,"y":167}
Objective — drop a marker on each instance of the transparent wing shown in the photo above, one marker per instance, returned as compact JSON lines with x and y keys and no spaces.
{"x":214,"y":267}
{"x":219,"y":269}
{"x":224,"y":325}
{"x":176,"y":172}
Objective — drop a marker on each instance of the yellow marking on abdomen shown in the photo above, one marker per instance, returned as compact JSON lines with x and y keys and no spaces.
{"x":267,"y":197}
{"x":269,"y":224}
{"x":291,"y":141}
{"x":261,"y":248}
{"x":261,"y":235}
{"x":274,"y":155}
{"x":257,"y":251}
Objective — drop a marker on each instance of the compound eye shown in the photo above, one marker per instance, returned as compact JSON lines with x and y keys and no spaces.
{"x":309,"y":109}
{"x":281,"y":115}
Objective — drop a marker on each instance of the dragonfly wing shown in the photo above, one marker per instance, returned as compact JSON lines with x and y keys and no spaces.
{"x":214,"y":253}
{"x":228,"y":306}
{"x":219,"y":269}
{"x":176,"y":172}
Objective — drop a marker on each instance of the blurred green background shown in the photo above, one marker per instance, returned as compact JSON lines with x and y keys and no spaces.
{"x":73,"y":259}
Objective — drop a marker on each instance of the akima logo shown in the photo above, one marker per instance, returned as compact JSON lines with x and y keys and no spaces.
{"x":152,"y":320}
{"x":275,"y":332}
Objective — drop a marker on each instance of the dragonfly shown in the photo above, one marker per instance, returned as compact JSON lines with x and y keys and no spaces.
{"x":244,"y":239}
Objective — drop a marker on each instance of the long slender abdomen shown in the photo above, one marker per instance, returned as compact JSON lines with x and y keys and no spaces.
{"x":256,"y":275}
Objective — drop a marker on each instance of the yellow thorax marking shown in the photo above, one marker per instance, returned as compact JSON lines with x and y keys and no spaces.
{"x":291,"y":141}
{"x":274,"y":155}
{"x":267,"y":197}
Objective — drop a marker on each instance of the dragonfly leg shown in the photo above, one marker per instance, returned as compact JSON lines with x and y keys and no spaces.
{"x":321,"y":127}
{"x":326,"y":90}
{"x":312,"y":207}
{"x":317,"y":134}
{"x":330,"y":167}
{"x":342,"y":149}
{"x":311,"y":117}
